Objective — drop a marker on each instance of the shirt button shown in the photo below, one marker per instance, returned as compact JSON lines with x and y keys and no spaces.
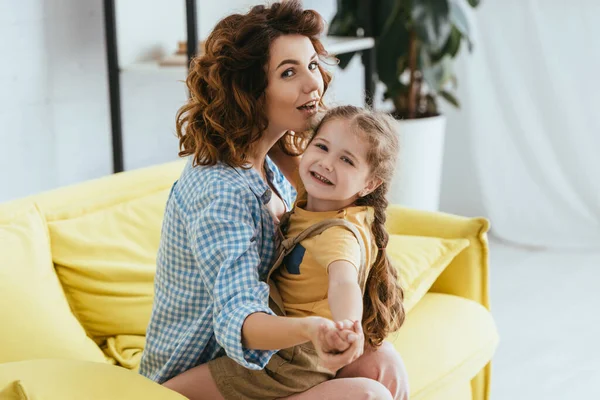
{"x":266,"y":197}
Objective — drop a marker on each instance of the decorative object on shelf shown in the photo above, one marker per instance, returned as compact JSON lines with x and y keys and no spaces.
{"x":180,"y":57}
{"x":416,"y":42}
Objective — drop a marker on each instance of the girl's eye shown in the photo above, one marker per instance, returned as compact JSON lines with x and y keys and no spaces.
{"x":347,"y":161}
{"x":287,"y":73}
{"x":321,"y":146}
{"x":313,"y":65}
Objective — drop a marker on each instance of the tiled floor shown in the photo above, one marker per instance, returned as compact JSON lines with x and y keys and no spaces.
{"x":547,"y":308}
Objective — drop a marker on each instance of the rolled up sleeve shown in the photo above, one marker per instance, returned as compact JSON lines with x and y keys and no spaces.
{"x":224,"y":243}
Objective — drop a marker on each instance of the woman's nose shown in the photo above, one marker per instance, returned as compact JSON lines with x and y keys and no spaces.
{"x":313,"y":82}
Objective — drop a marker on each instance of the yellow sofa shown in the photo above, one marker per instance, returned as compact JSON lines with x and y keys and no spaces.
{"x":76,"y":273}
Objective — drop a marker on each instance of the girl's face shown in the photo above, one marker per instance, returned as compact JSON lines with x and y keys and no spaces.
{"x":334,"y":168}
{"x":294,"y":84}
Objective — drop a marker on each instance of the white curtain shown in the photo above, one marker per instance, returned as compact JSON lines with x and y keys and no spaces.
{"x":531,"y":106}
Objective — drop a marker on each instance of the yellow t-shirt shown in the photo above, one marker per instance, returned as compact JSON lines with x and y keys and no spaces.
{"x":303,"y":278}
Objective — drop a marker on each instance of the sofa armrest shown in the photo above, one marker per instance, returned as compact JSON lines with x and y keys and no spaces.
{"x":467,"y":275}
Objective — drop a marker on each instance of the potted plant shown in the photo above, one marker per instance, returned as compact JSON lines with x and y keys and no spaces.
{"x":416,"y":42}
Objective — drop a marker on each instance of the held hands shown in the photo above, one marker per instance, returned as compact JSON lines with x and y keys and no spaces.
{"x":337,"y":343}
{"x":340,"y":339}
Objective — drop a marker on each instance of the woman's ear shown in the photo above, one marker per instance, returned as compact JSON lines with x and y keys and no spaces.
{"x":372,"y":185}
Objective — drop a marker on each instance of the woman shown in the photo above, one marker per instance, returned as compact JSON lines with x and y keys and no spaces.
{"x":254,"y":93}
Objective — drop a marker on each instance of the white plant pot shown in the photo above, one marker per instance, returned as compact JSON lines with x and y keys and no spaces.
{"x":418,"y":175}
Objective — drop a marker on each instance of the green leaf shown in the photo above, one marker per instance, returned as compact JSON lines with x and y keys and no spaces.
{"x":437,"y":75}
{"x":474,"y":3}
{"x":450,"y":98}
{"x":394,"y":90}
{"x":454,"y":42}
{"x":451,"y":47}
{"x":342,"y":25}
{"x":345,"y":23}
{"x":345,"y":59}
{"x":431,"y":21}
{"x":383,"y":10}
{"x":350,"y":17}
{"x":460,"y":21}
{"x":392,"y":46}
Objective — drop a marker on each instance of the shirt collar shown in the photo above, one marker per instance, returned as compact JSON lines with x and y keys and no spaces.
{"x":259,"y":187}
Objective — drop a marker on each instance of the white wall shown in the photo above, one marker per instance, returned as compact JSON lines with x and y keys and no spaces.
{"x":460,"y":192}
{"x":54,"y":113}
{"x":53,"y":108}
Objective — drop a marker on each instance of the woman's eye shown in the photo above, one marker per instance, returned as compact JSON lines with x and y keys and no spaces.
{"x":287,"y":73}
{"x":321,"y":146}
{"x":347,"y":161}
{"x":313,"y":65}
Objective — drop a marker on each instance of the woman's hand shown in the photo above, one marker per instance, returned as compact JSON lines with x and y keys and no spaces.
{"x":340,"y":339}
{"x":336,"y":345}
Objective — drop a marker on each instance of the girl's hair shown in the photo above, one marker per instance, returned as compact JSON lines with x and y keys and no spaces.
{"x":383,"y":309}
{"x":226,"y":114}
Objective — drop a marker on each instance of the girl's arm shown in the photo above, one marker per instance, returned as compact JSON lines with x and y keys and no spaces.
{"x":267,"y":332}
{"x":345,"y":296}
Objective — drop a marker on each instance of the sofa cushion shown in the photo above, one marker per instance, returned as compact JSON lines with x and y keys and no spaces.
{"x":420,"y":260}
{"x":460,"y":390}
{"x":36,"y":319}
{"x":444,"y":339}
{"x":73,"y":379}
{"x":14,"y":391}
{"x":125,"y":350}
{"x":105,"y":258}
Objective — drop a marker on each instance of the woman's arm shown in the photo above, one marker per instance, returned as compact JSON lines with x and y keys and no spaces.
{"x":222,"y":235}
{"x":267,"y":332}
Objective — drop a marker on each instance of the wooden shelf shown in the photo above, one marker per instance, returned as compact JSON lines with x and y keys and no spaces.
{"x":340,"y":45}
{"x":156,"y":67}
{"x":177,"y":64}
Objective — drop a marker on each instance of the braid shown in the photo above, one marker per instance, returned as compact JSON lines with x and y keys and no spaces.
{"x":383,"y":309}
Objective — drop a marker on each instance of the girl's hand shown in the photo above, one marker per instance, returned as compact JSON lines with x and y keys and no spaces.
{"x":340,"y":340}
{"x":336,"y":360}
{"x":323,"y":333}
{"x":319,"y":330}
{"x":329,"y":337}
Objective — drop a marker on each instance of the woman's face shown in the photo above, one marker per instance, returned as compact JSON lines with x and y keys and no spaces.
{"x":295,"y":84}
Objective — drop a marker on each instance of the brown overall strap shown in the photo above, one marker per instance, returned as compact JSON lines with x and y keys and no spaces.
{"x":287,"y":245}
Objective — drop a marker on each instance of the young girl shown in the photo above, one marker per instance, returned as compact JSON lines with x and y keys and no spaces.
{"x":344,"y":175}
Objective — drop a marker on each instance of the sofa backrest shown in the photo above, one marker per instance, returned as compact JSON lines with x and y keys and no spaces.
{"x":80,"y":198}
{"x":104,"y":234}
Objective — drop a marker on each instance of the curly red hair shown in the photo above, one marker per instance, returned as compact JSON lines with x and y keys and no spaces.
{"x":225,"y":113}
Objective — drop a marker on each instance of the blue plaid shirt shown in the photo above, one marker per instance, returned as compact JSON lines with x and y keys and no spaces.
{"x":217,"y":244}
